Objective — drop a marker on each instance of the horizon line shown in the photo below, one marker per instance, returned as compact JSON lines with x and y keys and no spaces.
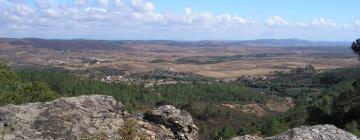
{"x":179,"y":40}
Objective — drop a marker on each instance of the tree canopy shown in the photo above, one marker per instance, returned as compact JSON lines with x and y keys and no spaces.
{"x":356,"y":47}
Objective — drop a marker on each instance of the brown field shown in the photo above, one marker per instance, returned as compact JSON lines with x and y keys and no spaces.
{"x":138,"y":56}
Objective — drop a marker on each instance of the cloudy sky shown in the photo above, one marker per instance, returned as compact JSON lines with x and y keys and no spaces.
{"x":335,"y":20}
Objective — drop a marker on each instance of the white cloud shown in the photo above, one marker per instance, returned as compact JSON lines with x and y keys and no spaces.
{"x":346,"y":27}
{"x":140,"y":5}
{"x":276,"y":21}
{"x":119,"y":3}
{"x":323,"y":22}
{"x":215,"y":20}
{"x":188,"y":11}
{"x":16,"y":1}
{"x":53,"y":13}
{"x":357,"y":23}
{"x":17,"y":26}
{"x":81,"y":2}
{"x":96,"y":10}
{"x":103,"y":2}
{"x":22,"y":10}
{"x":140,"y":16}
{"x":353,"y":26}
{"x":42,"y":3}
{"x":302,"y":24}
{"x":234,"y":20}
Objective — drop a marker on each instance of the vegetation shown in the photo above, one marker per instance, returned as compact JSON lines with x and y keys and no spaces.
{"x":338,"y":103}
{"x":195,"y":60}
{"x":169,"y":75}
{"x":224,"y":132}
{"x":219,"y":59}
{"x":130,"y":131}
{"x":356,"y":47}
{"x":329,"y":97}
{"x":332,"y":96}
{"x":34,"y":86}
{"x":316,"y":94}
{"x":15,"y":91}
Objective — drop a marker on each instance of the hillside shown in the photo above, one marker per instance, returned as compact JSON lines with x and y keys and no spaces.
{"x":221,"y":108}
{"x":103,"y":118}
{"x":218,"y":108}
{"x":179,"y":70}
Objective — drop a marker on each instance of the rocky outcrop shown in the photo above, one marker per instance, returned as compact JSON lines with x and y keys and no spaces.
{"x":101,"y":117}
{"x":90,"y":117}
{"x":317,"y":132}
{"x":65,"y":118}
{"x":180,"y":122}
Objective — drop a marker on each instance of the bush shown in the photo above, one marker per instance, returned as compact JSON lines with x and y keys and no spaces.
{"x":130,"y":130}
{"x":353,"y":127}
{"x":37,"y":92}
{"x":221,"y":133}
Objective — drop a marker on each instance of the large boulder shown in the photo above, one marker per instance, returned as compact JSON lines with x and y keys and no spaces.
{"x":179,"y":121}
{"x":317,"y":132}
{"x":91,"y":117}
{"x":64,"y":118}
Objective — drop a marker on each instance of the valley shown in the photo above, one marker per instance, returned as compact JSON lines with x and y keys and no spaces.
{"x":179,"y":70}
{"x":220,"y":60}
{"x":229,"y":89}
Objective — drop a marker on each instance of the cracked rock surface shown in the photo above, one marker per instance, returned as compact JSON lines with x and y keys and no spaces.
{"x":72,"y":118}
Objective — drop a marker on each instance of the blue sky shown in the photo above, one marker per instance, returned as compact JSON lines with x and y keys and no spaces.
{"x":181,"y":19}
{"x":296,"y":9}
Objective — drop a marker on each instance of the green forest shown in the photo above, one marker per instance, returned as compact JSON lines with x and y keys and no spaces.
{"x":330,"y":97}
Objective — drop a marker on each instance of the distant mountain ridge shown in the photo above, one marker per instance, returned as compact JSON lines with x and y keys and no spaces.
{"x":118,"y":44}
{"x":295,"y":42}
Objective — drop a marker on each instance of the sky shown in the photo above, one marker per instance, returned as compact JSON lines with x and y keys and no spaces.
{"x":327,"y":20}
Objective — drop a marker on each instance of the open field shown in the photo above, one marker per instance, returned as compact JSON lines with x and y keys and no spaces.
{"x":210,"y":59}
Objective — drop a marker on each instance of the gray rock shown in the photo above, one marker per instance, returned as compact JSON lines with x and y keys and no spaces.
{"x":247,"y":137}
{"x":64,"y":118}
{"x":179,"y":121}
{"x":81,"y":117}
{"x":317,"y":132}
{"x":88,"y":116}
